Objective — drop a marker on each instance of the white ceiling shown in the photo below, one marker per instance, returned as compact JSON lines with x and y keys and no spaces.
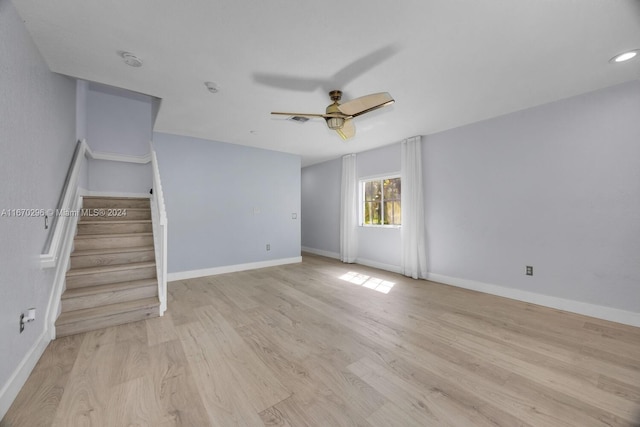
{"x":446,"y":62}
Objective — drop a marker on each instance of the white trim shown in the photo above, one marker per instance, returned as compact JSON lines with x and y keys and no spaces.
{"x":159,"y":216}
{"x":16,"y":381}
{"x":116,"y":157}
{"x":93,"y":193}
{"x":380,"y":176}
{"x":49,"y":259}
{"x":381,"y":266}
{"x":584,"y":308}
{"x":184,"y":275}
{"x":55,"y":303}
{"x":328,"y":254}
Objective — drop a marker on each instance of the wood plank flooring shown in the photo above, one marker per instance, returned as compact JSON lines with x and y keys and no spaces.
{"x":300,"y":345}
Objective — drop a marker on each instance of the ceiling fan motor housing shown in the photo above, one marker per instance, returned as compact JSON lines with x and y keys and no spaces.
{"x":334,"y":122}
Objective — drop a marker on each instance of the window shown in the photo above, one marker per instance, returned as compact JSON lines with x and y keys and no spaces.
{"x":380,"y":201}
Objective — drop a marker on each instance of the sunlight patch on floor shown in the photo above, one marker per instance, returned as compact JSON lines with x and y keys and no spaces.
{"x":374,"y":283}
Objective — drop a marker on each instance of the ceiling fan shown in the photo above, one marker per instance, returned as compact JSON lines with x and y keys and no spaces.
{"x":339,"y":117}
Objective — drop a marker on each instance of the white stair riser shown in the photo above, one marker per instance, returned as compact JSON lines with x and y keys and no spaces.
{"x":104,"y":278}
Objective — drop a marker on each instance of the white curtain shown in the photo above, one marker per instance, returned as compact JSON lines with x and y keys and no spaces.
{"x":349,"y":210}
{"x":414,"y":253}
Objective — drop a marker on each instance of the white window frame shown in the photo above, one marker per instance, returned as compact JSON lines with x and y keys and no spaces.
{"x":361,"y":182}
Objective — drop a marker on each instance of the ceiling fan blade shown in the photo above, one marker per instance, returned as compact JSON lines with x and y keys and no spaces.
{"x":361,"y":66}
{"x":288,"y":82}
{"x":348,"y":130}
{"x":347,"y":74}
{"x":326,"y":116}
{"x":359,"y":106}
{"x":298,"y":114}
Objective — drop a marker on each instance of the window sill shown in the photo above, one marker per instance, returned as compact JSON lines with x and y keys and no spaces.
{"x":379,"y":226}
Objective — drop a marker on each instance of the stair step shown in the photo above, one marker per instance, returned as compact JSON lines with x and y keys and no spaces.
{"x":103,"y":274}
{"x":111,"y":256}
{"x":89,"y":319}
{"x":112,"y":293}
{"x":108,"y":241}
{"x":90,"y":202}
{"x":127,"y":214}
{"x":115,"y":227}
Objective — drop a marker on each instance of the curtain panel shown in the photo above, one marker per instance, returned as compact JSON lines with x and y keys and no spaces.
{"x":349,"y":210}
{"x":414,"y":253}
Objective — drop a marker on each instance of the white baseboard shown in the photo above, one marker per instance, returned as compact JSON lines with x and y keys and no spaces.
{"x":328,"y":254}
{"x":584,"y":308}
{"x":12,"y":387}
{"x":380,"y":265}
{"x":362,"y":261}
{"x":184,"y":275}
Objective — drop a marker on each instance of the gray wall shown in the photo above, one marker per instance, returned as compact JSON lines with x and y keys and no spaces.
{"x":226,"y":202}
{"x":377,"y":246}
{"x":82,"y":88}
{"x":119,"y":177}
{"x":118,"y":121}
{"x":37,"y":139}
{"x":556,"y":187}
{"x":321,"y":206}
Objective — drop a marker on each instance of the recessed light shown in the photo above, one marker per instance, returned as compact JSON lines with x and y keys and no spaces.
{"x":130,"y":59}
{"x":625,"y":56}
{"x":212,"y":87}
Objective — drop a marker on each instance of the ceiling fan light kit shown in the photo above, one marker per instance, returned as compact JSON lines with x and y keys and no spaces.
{"x":339,"y":117}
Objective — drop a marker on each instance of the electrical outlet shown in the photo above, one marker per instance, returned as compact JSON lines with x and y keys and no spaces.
{"x":529,"y":270}
{"x":268,"y":247}
{"x":30,"y":317}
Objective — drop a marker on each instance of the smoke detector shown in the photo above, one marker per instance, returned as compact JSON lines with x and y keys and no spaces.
{"x":130,"y":59}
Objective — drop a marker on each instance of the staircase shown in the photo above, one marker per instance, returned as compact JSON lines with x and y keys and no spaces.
{"x":112,"y":276}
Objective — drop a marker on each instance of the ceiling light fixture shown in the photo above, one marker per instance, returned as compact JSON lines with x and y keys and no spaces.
{"x":130,"y":59}
{"x":625,"y":56}
{"x":212,"y":87}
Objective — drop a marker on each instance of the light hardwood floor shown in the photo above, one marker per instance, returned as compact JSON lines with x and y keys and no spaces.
{"x":298,"y":345}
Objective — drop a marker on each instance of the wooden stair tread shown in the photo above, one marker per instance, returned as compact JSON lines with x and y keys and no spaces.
{"x":111,"y":287}
{"x":109,"y":268}
{"x":113,"y":276}
{"x":128,"y":209}
{"x":88,"y":252}
{"x":110,"y":236}
{"x":106,"y":310}
{"x":115,"y":198}
{"x":117,"y":221}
